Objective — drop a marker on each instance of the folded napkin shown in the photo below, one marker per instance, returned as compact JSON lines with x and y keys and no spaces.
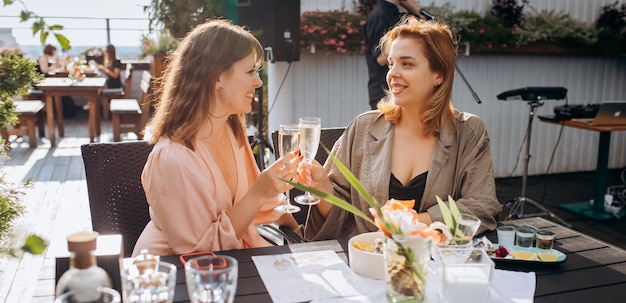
{"x":507,"y":287}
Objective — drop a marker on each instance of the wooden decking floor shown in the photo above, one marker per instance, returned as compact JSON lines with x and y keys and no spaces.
{"x":57,"y":204}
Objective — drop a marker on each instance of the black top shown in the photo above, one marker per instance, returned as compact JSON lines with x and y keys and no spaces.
{"x":412,"y":191}
{"x":383,"y":17}
{"x":115,"y":82}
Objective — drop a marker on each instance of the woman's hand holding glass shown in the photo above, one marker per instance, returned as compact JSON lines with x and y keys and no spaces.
{"x":310,"y":129}
{"x":269,"y":184}
{"x":287,"y":143}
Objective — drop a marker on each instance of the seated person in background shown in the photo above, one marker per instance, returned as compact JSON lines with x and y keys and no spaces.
{"x":202,"y":183}
{"x":111,"y":67}
{"x":415,"y":147}
{"x":44,"y":65}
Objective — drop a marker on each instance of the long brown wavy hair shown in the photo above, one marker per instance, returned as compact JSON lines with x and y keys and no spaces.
{"x":440,"y":49}
{"x":187,"y":94}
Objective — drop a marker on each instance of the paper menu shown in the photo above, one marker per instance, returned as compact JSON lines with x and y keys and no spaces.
{"x":306,"y":276}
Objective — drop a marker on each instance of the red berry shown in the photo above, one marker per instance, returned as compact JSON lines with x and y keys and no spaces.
{"x":501,"y":252}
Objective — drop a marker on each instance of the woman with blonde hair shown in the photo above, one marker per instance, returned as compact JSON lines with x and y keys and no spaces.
{"x":201,"y":180}
{"x":416,"y":146}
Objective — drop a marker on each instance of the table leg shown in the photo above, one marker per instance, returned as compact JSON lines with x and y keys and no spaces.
{"x":596,"y":211}
{"x":58,"y":108}
{"x":93,"y":113}
{"x":602,"y":168}
{"x":50,"y":118}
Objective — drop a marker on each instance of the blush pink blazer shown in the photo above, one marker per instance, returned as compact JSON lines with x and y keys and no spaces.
{"x":190,"y":202}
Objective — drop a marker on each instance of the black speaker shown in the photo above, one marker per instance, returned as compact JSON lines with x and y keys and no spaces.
{"x":276,"y":23}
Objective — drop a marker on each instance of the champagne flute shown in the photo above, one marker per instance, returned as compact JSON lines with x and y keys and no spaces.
{"x":310,"y":129}
{"x":287,"y":142}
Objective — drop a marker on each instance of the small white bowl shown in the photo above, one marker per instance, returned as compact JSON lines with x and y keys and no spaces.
{"x":367,"y":264}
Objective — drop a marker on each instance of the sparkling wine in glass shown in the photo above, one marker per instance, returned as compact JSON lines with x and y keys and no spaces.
{"x":287,"y":142}
{"x":310,"y":130}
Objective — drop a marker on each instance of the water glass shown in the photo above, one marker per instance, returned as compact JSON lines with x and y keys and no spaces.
{"x":466,"y":228}
{"x":149,"y":286}
{"x":545,"y":240}
{"x":99,"y":295}
{"x":211,"y":278}
{"x":465,"y":274}
{"x":524,"y":237}
{"x":506,"y":236}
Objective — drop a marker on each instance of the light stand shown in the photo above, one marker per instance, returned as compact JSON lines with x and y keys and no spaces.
{"x":517,"y":204}
{"x":260,"y":140}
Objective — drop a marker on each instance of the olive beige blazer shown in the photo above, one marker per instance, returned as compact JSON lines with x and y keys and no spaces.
{"x":461,"y":167}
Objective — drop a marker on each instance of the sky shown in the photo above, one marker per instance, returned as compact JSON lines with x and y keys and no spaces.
{"x":81,"y":32}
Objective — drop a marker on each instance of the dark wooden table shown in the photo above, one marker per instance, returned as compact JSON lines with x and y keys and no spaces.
{"x":594,"y":271}
{"x":54,"y":88}
{"x":596,"y":211}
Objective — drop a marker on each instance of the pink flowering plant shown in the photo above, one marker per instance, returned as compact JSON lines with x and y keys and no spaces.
{"x":332,"y":31}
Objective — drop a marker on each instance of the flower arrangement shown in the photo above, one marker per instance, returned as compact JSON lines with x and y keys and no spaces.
{"x":408,"y":241}
{"x":332,"y":31}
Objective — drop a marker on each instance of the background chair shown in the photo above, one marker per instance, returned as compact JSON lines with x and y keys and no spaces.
{"x":328,"y":136}
{"x":131,"y":115}
{"x":115,"y":93}
{"x":117,"y":200}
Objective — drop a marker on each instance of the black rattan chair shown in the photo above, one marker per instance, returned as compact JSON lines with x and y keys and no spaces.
{"x":117,"y":200}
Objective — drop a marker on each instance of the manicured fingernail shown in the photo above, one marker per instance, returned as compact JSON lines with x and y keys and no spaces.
{"x":301,"y":157}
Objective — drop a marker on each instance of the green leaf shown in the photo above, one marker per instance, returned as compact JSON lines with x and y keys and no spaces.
{"x":24,"y":15}
{"x":37,"y":26}
{"x":445,"y":213}
{"x":361,"y":190}
{"x":456,"y":214}
{"x":35,"y":245}
{"x":43,"y":36}
{"x":63,"y":41}
{"x":332,"y":199}
{"x":55,"y":27}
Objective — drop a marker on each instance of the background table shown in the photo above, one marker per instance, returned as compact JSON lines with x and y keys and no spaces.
{"x":54,"y":88}
{"x":599,"y":189}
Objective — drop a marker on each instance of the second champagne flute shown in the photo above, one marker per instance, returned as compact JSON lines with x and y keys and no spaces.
{"x":287,"y":142}
{"x":310,"y":129}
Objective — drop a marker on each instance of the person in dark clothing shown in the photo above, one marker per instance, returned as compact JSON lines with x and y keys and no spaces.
{"x":112,"y":68}
{"x":43,"y":62}
{"x":45,"y":67}
{"x":382,"y":18}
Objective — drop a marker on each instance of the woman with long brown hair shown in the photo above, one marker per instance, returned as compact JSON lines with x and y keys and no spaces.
{"x":201,"y":180}
{"x":111,"y":67}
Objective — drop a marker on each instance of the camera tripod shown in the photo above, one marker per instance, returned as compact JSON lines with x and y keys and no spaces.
{"x":517,"y":204}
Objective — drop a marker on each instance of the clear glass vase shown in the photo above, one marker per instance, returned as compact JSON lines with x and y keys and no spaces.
{"x":406,"y":266}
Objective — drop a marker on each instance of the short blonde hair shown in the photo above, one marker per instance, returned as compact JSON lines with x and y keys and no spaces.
{"x":440,"y":49}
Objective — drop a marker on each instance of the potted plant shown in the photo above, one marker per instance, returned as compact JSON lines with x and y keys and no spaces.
{"x":158,"y":49}
{"x":179,"y":17}
{"x":17,"y":74}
